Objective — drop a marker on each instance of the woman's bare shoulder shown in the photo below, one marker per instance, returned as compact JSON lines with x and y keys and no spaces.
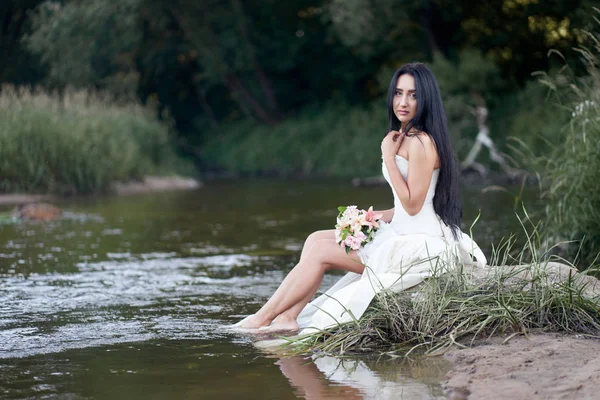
{"x":420,"y":140}
{"x":422,"y":146}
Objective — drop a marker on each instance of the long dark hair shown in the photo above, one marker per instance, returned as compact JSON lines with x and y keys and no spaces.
{"x":431,"y":119}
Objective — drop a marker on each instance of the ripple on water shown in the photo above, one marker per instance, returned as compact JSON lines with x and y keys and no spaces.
{"x":125,"y":299}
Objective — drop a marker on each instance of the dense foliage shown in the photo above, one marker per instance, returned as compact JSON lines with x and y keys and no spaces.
{"x":213,"y":62}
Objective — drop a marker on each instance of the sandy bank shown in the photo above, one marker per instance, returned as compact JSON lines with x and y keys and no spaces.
{"x":155,"y":184}
{"x":540,"y":366}
{"x":20,"y":198}
{"x":148,"y":185}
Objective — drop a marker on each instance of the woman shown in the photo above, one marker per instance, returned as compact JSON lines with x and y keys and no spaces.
{"x":421,"y":233}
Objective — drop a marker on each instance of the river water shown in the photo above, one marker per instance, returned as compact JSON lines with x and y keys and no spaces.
{"x":126,"y":297}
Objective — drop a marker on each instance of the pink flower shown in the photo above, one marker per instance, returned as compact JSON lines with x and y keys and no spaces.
{"x":352,"y":242}
{"x":342,"y":223}
{"x":351,"y":213}
{"x":346,"y":242}
{"x":371,"y":218}
{"x":360,"y":236}
{"x":355,"y":227}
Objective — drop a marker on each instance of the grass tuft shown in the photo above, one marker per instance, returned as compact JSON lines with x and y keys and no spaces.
{"x":460,"y":304}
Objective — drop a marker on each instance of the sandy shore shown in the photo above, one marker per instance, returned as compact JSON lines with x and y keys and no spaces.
{"x":156,"y":184}
{"x":148,"y":185}
{"x":540,"y":366}
{"x":21,"y":198}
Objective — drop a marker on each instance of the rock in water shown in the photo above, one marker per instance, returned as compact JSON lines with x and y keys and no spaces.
{"x":36,"y":212}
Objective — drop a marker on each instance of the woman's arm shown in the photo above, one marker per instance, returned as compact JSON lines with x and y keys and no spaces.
{"x":387,"y":215}
{"x":422,"y":159}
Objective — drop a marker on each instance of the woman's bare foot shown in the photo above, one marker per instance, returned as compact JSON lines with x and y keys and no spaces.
{"x":281,"y":325}
{"x":252,"y":322}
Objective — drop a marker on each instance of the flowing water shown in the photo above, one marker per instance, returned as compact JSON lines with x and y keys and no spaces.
{"x":126,"y":297}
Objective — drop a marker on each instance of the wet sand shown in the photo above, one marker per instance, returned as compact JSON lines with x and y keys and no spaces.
{"x":540,"y":366}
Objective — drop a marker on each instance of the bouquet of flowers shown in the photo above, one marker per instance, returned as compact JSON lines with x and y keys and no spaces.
{"x":355,"y":227}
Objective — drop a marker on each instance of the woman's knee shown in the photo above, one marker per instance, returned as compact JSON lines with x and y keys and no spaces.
{"x":318,"y":235}
{"x":319,"y":253}
{"x":326,"y":254}
{"x":314,"y":238}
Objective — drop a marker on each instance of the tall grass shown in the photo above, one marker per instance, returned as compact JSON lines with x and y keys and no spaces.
{"x":335,"y":140}
{"x":570,"y":173}
{"x":78,"y":142}
{"x":459,"y":304}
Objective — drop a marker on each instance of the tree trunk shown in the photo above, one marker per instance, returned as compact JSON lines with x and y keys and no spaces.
{"x":238,"y":89}
{"x":483,"y":139}
{"x":239,"y":93}
{"x":9,"y":35}
{"x":265,"y":84}
{"x":426,"y":18}
{"x":206,"y":107}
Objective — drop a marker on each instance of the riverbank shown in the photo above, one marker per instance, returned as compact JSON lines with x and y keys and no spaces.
{"x":539,"y":366}
{"x":148,"y":185}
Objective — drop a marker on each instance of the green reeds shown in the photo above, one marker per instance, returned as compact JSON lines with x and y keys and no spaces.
{"x":77,"y":142}
{"x":459,"y":304}
{"x":335,"y":140}
{"x":570,"y":183}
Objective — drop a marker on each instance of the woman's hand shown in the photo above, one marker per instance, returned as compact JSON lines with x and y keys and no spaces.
{"x":391,"y":143}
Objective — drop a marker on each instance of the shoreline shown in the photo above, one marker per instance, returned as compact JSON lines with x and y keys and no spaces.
{"x":537,"y":366}
{"x":150,"y":184}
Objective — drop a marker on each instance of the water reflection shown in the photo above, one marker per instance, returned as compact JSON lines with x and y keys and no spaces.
{"x":326,"y":377}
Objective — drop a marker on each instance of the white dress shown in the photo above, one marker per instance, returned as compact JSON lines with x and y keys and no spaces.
{"x":402,"y":254}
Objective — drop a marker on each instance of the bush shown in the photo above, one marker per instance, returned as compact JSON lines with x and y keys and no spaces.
{"x":79,"y":142}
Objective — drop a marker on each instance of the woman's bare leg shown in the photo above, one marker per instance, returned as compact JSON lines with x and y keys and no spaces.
{"x":321,"y":254}
{"x":313,"y":238}
{"x":308,"y":244}
{"x":286,"y":321}
{"x":286,"y":318}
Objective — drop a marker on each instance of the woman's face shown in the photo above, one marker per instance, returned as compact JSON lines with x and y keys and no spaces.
{"x":405,"y":98}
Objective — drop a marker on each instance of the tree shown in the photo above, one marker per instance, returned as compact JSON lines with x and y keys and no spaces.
{"x":16,"y":64}
{"x":87,"y":43}
{"x":517,"y":35}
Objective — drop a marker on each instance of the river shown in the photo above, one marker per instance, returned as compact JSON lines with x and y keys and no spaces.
{"x":126,"y":297}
